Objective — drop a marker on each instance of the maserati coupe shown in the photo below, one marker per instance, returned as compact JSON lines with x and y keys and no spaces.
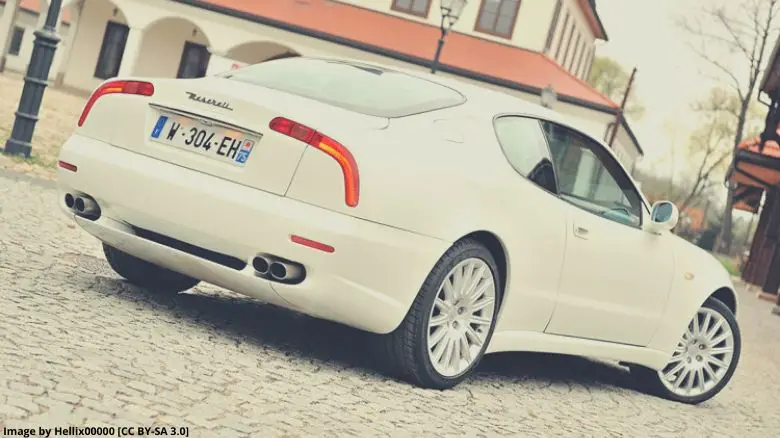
{"x":449,"y":220}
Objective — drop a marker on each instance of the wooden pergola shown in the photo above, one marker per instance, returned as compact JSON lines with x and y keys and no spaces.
{"x":755,"y":171}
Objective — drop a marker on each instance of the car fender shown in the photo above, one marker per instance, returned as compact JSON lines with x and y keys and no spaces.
{"x":698,"y":275}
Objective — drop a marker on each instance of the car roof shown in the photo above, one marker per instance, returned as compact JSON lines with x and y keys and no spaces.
{"x":478,"y":97}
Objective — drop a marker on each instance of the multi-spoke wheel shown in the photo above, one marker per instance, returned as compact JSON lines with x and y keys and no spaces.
{"x":704,"y":359}
{"x":449,"y":325}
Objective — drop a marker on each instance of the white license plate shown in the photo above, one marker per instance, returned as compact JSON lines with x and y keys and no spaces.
{"x":217,"y":142}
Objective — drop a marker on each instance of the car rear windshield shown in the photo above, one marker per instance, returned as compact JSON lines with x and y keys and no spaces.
{"x":352,"y":86}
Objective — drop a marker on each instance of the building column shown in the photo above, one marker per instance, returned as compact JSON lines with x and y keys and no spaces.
{"x":132,"y":50}
{"x":771,"y":275}
{"x":7,"y":24}
{"x":73,"y":28}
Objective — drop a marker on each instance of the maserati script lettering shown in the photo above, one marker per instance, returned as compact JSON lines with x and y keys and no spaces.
{"x":209,"y":101}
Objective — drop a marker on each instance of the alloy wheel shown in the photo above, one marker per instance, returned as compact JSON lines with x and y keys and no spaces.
{"x":702,"y":357}
{"x":461,"y":317}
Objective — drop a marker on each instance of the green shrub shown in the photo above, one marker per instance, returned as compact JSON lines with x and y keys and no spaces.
{"x":729,"y":264}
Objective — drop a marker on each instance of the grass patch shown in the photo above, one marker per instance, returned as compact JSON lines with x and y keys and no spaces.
{"x":35,"y":160}
{"x":729,"y":264}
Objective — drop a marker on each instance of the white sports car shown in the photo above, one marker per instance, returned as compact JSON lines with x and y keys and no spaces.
{"x":451,"y":220}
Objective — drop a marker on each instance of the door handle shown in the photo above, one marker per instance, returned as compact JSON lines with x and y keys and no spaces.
{"x":580,"y":232}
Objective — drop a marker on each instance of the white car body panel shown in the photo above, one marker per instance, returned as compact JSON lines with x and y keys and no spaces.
{"x":601,"y":296}
{"x":425,"y":182}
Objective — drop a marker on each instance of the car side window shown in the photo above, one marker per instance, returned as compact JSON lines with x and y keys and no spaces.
{"x":525,"y":147}
{"x":590,"y":178}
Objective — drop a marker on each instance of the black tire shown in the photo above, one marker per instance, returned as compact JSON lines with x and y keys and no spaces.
{"x":649,"y":381}
{"x":405,"y":350}
{"x":147,"y":275}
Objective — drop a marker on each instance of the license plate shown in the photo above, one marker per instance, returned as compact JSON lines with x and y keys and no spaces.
{"x":217,"y":142}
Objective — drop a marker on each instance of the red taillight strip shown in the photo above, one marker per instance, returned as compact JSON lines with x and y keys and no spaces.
{"x":331,"y":147}
{"x":311,"y":243}
{"x":116,"y":87}
{"x":67,"y":166}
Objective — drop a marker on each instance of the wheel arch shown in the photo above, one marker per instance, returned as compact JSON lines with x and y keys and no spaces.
{"x":497,"y":249}
{"x":727,"y":296}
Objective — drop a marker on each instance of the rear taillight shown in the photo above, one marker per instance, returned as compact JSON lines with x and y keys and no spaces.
{"x":331,"y":147}
{"x":116,"y":87}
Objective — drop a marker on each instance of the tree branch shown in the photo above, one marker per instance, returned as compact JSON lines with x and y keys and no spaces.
{"x":722,"y":68}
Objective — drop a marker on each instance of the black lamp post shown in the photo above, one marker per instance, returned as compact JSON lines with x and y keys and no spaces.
{"x":450,"y":13}
{"x":35,"y":83}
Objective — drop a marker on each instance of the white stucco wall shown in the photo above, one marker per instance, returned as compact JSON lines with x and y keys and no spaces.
{"x":530,"y":31}
{"x":80,"y":73}
{"x":561,"y":36}
{"x":29,"y":21}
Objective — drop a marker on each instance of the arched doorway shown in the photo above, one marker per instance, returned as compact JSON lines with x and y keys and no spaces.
{"x":173,"y":47}
{"x":97,"y":45}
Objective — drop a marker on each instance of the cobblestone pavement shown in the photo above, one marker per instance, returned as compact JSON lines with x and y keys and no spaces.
{"x":60,"y":111}
{"x":78,"y":346}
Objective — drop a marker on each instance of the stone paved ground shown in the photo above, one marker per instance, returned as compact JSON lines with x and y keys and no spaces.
{"x":78,"y":346}
{"x":59,"y":113}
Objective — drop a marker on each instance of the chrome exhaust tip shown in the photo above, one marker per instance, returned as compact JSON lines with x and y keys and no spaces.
{"x":69,"y":201}
{"x":278,"y":271}
{"x":287,"y":272}
{"x":261,"y":265}
{"x":86,"y":207}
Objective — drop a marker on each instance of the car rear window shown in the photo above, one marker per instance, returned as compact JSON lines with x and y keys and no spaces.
{"x":352,"y":86}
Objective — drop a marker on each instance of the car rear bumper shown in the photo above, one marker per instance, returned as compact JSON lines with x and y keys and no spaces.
{"x":368,"y":282}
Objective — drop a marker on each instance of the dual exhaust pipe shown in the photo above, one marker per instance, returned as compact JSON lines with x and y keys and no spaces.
{"x":82,"y":205}
{"x":278,"y":269}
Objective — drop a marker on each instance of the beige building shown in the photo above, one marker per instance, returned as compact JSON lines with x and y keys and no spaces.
{"x":513,"y":46}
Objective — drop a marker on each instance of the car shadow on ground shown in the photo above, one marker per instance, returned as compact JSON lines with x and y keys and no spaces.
{"x":328,"y":344}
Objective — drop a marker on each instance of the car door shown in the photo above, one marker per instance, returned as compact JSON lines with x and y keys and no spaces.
{"x":616,"y":275}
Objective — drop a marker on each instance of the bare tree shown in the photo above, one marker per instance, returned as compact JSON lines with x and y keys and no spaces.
{"x":610,"y":78}
{"x":734,"y":38}
{"x":709,"y":144}
{"x":706,"y":144}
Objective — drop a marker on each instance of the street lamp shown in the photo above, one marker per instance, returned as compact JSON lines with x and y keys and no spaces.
{"x":450,"y":13}
{"x":35,"y":82}
{"x":549,"y":97}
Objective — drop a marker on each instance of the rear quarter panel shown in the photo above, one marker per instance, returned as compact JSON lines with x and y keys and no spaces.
{"x":444,"y":175}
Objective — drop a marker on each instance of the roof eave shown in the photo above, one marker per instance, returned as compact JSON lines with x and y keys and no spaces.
{"x":589,"y":8}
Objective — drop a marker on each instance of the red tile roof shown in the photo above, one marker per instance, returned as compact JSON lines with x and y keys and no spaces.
{"x":417,"y":39}
{"x":34,"y":6}
{"x":414,"y":39}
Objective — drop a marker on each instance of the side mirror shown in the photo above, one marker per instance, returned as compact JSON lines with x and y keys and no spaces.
{"x":663,"y":216}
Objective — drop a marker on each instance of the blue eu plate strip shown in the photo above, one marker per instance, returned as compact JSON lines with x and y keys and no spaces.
{"x":159,"y":126}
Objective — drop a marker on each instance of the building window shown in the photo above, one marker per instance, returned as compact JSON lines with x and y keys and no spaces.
{"x":562,"y":37}
{"x":568,"y":44}
{"x":574,"y":54}
{"x":16,"y":41}
{"x":414,"y":7}
{"x":497,"y":17}
{"x":553,"y":26}
{"x":581,"y":63}
{"x":589,"y":63}
{"x":194,"y":61}
{"x":112,"y":50}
